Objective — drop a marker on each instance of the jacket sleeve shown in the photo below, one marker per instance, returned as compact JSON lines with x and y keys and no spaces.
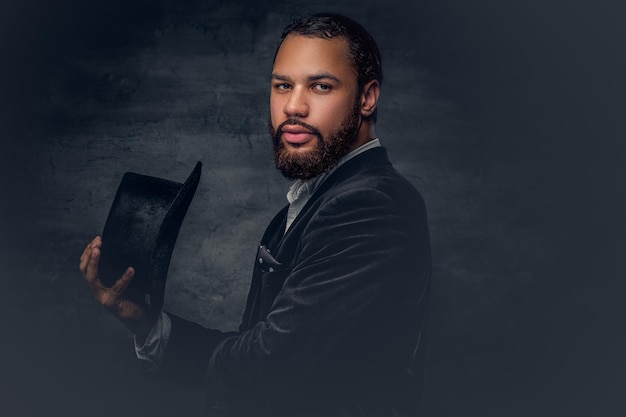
{"x":188,"y":351}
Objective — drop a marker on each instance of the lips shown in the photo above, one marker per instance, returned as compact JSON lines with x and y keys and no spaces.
{"x":297,"y":134}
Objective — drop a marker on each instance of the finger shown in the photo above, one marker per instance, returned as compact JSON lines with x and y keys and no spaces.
{"x":112,"y":297}
{"x":121,"y":284}
{"x":91,"y":272}
{"x":84,"y":258}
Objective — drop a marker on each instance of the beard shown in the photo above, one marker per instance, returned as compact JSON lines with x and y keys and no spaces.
{"x":307,"y":165}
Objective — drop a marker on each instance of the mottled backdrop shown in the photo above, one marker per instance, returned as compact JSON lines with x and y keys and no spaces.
{"x":505,"y":114}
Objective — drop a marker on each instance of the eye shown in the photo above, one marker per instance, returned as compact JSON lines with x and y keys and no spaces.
{"x":282,"y":86}
{"x":322,"y":87}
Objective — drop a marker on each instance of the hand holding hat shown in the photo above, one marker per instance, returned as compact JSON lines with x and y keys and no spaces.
{"x":132,"y":313}
{"x":126,"y":269}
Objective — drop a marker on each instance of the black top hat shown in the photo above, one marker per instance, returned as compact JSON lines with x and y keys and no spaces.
{"x":141,"y":231}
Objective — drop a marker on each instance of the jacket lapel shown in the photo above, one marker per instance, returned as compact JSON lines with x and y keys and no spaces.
{"x":350,"y":168}
{"x":275,"y":236}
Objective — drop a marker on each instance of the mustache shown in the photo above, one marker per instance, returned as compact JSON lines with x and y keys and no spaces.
{"x":295,"y":122}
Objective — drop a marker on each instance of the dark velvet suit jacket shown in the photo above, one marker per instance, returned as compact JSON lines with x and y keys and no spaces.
{"x":335,"y":318}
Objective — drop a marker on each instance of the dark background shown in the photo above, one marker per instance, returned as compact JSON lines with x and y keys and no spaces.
{"x":507,"y":115}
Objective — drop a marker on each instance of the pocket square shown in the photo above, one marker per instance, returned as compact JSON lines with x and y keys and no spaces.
{"x":265,"y":262}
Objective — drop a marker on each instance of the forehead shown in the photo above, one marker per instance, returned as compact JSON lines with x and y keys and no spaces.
{"x":303,"y":55}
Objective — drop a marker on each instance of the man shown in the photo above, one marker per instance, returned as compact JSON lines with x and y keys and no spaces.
{"x":335,"y":316}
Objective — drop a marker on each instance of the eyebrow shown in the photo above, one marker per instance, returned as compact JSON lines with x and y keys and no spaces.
{"x":315,"y":77}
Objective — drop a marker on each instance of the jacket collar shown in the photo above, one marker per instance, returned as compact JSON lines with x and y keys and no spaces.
{"x":372,"y":157}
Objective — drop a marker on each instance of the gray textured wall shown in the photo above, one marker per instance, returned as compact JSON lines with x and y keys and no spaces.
{"x":504,"y":114}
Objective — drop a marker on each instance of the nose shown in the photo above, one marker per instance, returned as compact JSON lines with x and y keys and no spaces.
{"x":296,"y":104}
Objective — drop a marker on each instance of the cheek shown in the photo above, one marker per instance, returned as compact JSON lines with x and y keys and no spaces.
{"x":275,"y":112}
{"x":331,"y":116}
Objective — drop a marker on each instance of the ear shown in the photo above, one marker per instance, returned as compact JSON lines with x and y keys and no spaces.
{"x":369,"y":98}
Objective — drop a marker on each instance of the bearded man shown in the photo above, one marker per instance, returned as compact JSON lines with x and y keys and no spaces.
{"x":335,"y":318}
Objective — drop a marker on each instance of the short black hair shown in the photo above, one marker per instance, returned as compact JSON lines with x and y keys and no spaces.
{"x":363,"y":49}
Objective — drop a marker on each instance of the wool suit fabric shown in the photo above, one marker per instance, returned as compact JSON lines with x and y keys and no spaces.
{"x":335,"y":319}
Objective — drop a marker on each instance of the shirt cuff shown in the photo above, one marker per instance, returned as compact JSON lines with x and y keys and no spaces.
{"x":153,"y":349}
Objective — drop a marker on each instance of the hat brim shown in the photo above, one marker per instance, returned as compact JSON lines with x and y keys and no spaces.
{"x":141,"y":231}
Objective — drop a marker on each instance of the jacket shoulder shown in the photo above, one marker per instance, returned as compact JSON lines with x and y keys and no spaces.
{"x":371,"y":175}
